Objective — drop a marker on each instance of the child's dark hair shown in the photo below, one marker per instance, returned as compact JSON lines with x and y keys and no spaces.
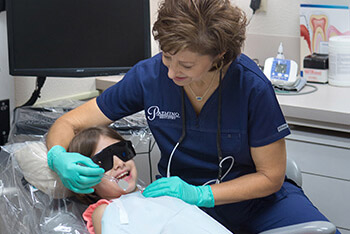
{"x":85,"y":142}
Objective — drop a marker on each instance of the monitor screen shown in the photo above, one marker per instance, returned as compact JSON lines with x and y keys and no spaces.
{"x":77,"y":38}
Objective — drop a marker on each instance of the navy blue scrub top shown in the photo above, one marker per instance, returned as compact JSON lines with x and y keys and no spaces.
{"x":251,"y":117}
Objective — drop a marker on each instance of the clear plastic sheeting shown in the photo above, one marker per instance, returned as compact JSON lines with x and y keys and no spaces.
{"x":31,"y":123}
{"x":27,"y":210}
{"x":32,"y":197}
{"x":31,"y":158}
{"x":135,"y":126}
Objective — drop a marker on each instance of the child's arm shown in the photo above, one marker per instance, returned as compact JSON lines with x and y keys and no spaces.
{"x":97,"y":218}
{"x":93,"y":216}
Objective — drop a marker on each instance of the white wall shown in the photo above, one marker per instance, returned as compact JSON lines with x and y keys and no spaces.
{"x":54,"y":89}
{"x":280,"y":23}
{"x":7,"y":90}
{"x":281,"y":17}
{"x":153,"y":8}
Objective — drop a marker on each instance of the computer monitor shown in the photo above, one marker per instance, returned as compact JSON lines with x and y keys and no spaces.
{"x":77,"y":38}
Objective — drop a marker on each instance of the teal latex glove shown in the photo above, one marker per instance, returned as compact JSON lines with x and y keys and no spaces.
{"x":77,"y":172}
{"x":201,"y":196}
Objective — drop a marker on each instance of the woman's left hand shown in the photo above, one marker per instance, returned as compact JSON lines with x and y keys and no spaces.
{"x":174,"y":186}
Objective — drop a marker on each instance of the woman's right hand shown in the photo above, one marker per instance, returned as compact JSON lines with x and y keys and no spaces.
{"x":77,"y":172}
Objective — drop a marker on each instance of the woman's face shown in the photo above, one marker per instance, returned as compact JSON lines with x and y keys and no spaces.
{"x":186,"y":67}
{"x":121,"y":170}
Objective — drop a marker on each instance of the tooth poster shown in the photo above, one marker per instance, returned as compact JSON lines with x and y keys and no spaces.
{"x":318,"y":23}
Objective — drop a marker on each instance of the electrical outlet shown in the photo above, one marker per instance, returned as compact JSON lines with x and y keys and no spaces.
{"x":4,"y":120}
{"x":263,"y":6}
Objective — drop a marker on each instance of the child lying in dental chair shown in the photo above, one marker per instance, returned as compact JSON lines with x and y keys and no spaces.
{"x":117,"y":204}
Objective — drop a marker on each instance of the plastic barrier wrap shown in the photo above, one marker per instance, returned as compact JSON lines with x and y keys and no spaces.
{"x":135,"y":128}
{"x":26,"y":209}
{"x":31,"y":123}
{"x":32,"y":198}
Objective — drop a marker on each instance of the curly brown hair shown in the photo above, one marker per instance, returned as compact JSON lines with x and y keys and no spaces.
{"x":207,"y":27}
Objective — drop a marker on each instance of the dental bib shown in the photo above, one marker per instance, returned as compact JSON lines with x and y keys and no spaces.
{"x":133,"y":213}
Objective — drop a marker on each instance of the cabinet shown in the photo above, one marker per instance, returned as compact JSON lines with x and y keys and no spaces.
{"x":320,"y":144}
{"x":324,"y":159}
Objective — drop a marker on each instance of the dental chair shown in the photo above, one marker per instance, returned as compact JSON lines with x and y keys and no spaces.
{"x":320,"y":227}
{"x":20,"y":219}
{"x":34,"y":212}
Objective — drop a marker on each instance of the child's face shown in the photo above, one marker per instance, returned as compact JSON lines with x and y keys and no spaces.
{"x":121,"y":170}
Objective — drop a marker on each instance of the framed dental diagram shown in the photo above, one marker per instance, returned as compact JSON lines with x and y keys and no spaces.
{"x":318,"y":23}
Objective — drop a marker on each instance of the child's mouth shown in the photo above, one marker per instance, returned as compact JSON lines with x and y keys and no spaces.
{"x":123,"y":175}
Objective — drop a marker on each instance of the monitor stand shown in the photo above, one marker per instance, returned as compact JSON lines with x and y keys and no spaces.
{"x":40,"y":80}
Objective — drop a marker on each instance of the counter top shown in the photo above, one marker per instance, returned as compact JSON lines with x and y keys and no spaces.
{"x":103,"y":82}
{"x":326,"y":108}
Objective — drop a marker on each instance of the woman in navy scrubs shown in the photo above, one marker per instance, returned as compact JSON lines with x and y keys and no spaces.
{"x":213,"y":114}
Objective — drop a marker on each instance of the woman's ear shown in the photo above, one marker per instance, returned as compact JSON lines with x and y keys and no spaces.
{"x":219,"y":59}
{"x":222,"y":55}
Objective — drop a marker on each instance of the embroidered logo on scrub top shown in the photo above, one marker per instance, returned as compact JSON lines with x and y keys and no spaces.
{"x":154,"y":112}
